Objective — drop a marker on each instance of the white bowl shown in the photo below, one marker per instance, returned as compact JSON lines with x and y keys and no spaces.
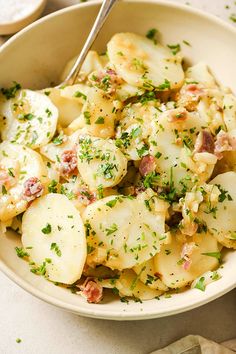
{"x":36,"y":56}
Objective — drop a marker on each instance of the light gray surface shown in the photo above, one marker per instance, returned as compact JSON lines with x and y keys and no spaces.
{"x":45,"y":329}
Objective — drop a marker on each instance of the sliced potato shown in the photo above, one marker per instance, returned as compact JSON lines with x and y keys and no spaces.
{"x":200,"y":74}
{"x":28,"y":119}
{"x":170,"y":268}
{"x":53,"y":234}
{"x":98,"y":114}
{"x":149,"y":276}
{"x":143,"y":64}
{"x":124,"y":232}
{"x":17,"y":164}
{"x":53,"y":150}
{"x":129,"y":285}
{"x":100,"y":162}
{"x":229,"y":115}
{"x":69,"y":102}
{"x":221,"y":222}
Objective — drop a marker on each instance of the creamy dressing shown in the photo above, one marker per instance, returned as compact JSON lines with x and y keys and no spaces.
{"x":14,"y":10}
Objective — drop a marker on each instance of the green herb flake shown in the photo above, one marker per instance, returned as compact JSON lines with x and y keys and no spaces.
{"x":100,"y":120}
{"x":80,"y":94}
{"x":18,"y":340}
{"x":55,"y":247}
{"x":47,"y":229}
{"x":87,"y":117}
{"x":175,"y":48}
{"x":113,"y":228}
{"x":21,"y":253}
{"x":216,"y":255}
{"x":11,"y":92}
{"x":151,"y":34}
{"x":200,"y":284}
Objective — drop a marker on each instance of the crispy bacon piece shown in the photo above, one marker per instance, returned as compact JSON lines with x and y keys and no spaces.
{"x":224,"y":143}
{"x":177,"y":115}
{"x":33,"y":189}
{"x":147,"y":165}
{"x":204,"y":142}
{"x":68,"y":164}
{"x":85,"y":196}
{"x":190,"y":95}
{"x":92,"y":291}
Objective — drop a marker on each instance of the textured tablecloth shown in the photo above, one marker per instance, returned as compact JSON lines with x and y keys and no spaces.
{"x":44,"y":329}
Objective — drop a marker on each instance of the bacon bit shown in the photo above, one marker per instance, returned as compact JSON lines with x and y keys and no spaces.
{"x":224,"y":143}
{"x":190,"y":96}
{"x":33,"y":189}
{"x":147,"y":165}
{"x":186,"y":253}
{"x":177,"y":115}
{"x":68,"y":162}
{"x":85,"y":196}
{"x":92,"y":291}
{"x":194,"y":90}
{"x":204,"y":142}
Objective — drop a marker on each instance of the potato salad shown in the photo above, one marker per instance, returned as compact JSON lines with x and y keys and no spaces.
{"x":125,"y":179}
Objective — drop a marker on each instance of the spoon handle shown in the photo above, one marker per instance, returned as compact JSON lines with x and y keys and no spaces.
{"x":101,"y":18}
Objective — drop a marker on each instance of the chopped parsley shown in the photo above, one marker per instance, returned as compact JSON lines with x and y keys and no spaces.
{"x":87,"y":117}
{"x":52,"y":187}
{"x":21,"y":253}
{"x":47,"y":229}
{"x":58,"y":140}
{"x":113,"y":228}
{"x":224,"y":194}
{"x":151,"y":34}
{"x":216,"y":255}
{"x":11,"y":91}
{"x":200,"y":284}
{"x":80,"y":94}
{"x":175,"y":48}
{"x":100,"y":120}
{"x":55,"y":247}
{"x":164,"y":86}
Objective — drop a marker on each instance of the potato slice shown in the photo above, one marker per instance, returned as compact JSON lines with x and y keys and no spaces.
{"x":221,"y":221}
{"x":124,"y":232}
{"x":100,"y":162}
{"x":28,"y":119}
{"x":200,"y":73}
{"x":53,"y":150}
{"x":53,"y":234}
{"x":17,"y":164}
{"x":229,"y":114}
{"x":170,"y":268}
{"x":69,"y":102}
{"x":129,"y":285}
{"x":98,"y":114}
{"x":141,"y":63}
{"x":148,"y":275}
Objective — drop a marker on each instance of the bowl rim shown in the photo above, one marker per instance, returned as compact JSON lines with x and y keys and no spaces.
{"x":100,"y":313}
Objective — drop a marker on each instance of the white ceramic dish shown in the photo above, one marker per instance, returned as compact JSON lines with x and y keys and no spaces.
{"x":16,"y":25}
{"x":36,"y":56}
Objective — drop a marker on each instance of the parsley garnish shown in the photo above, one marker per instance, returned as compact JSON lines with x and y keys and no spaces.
{"x":216,"y":255}
{"x":175,"y":48}
{"x":21,"y":253}
{"x":47,"y":229}
{"x":200,"y":284}
{"x":100,"y":120}
{"x":55,"y":247}
{"x":87,"y":117}
{"x":113,"y":228}
{"x":151,"y":34}
{"x":11,"y":92}
{"x":80,"y":94}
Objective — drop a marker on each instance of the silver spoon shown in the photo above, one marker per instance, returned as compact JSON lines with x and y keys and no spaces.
{"x":104,"y":11}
